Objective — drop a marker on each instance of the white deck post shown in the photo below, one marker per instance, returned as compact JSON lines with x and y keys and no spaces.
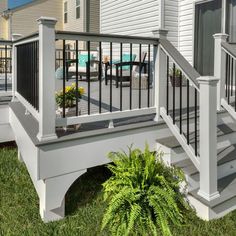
{"x":14,"y":65}
{"x":208,"y":138}
{"x":219,"y":66}
{"x":47,"y":105}
{"x":160,"y":69}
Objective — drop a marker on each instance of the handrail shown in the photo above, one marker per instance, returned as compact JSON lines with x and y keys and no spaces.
{"x":30,"y":36}
{"x":115,"y":38}
{"x":6,"y":42}
{"x":229,"y":48}
{"x":178,"y":58}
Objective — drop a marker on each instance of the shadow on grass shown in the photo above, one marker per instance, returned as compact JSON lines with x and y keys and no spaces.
{"x":86,"y":188}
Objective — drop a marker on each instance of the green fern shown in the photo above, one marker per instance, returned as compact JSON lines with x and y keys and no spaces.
{"x":143,"y":194}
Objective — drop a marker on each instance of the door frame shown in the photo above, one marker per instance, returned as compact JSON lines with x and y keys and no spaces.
{"x":223,"y":21}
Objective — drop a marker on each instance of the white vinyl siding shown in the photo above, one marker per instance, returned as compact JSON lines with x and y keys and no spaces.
{"x":171,"y":20}
{"x":186,"y":28}
{"x":136,"y":17}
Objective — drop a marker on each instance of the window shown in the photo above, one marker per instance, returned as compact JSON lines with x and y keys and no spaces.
{"x":65,"y":12}
{"x":77,"y":9}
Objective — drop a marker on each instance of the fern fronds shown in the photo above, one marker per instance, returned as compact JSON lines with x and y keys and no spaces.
{"x":143,"y":194}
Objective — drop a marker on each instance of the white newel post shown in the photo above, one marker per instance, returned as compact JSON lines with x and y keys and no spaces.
{"x":14,"y":64}
{"x":219,"y":66}
{"x":208,"y":138}
{"x":160,"y":73}
{"x":47,"y":105}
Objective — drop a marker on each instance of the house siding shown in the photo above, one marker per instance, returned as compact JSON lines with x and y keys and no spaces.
{"x":94,"y":16}
{"x":24,"y":18}
{"x":186,"y":28}
{"x":136,"y":17}
{"x":171,"y":21}
{"x":74,"y":24}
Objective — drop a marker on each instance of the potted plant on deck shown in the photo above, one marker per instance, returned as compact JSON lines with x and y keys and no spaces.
{"x":175,"y":77}
{"x":70,"y":98}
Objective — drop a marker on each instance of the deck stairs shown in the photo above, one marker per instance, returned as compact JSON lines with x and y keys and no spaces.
{"x":226,"y":153}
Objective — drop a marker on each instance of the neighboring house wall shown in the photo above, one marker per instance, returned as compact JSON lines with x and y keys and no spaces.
{"x":74,"y":24}
{"x":24,"y":18}
{"x":3,"y":22}
{"x":90,"y":7}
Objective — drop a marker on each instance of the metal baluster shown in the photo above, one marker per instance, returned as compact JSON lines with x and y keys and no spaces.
{"x":88,"y":76}
{"x":64,"y":79}
{"x":180,"y":103}
{"x":5,"y":67}
{"x":226,"y":75}
{"x":131,"y":77}
{"x":111,"y":76}
{"x":167,"y":85}
{"x":173,"y":93}
{"x":232,"y":75}
{"x":229,"y":80}
{"x":100,"y":77}
{"x":188,"y":112}
{"x":149,"y":73}
{"x":121,"y":77}
{"x":195,"y":122}
{"x":140,"y":76}
{"x":77,"y":75}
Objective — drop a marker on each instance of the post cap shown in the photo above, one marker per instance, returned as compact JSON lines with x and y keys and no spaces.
{"x":16,"y":36}
{"x":47,"y":20}
{"x":221,"y":36}
{"x":160,"y":33}
{"x":211,"y":80}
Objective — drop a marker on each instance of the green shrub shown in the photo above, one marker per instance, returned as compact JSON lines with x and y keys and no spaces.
{"x":143,"y":195}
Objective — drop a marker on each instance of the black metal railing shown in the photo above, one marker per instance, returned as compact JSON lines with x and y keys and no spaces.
{"x":116,"y":74}
{"x":230,"y":81}
{"x":182,"y":104}
{"x":5,"y":66}
{"x":28,"y":72}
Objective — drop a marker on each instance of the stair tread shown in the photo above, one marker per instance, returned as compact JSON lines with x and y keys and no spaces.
{"x":226,"y":188}
{"x":226,"y":154}
{"x":5,"y":100}
{"x":170,"y":142}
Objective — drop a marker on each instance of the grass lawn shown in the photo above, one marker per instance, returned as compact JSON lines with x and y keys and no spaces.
{"x":19,"y":212}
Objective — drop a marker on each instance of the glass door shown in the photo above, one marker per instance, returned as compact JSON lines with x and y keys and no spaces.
{"x":231,"y":20}
{"x":207,"y":23}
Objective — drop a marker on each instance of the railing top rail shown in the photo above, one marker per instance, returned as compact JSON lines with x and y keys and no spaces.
{"x":70,"y":35}
{"x":229,"y":48}
{"x":5,"y":42}
{"x":183,"y":64}
{"x":26,"y":38}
